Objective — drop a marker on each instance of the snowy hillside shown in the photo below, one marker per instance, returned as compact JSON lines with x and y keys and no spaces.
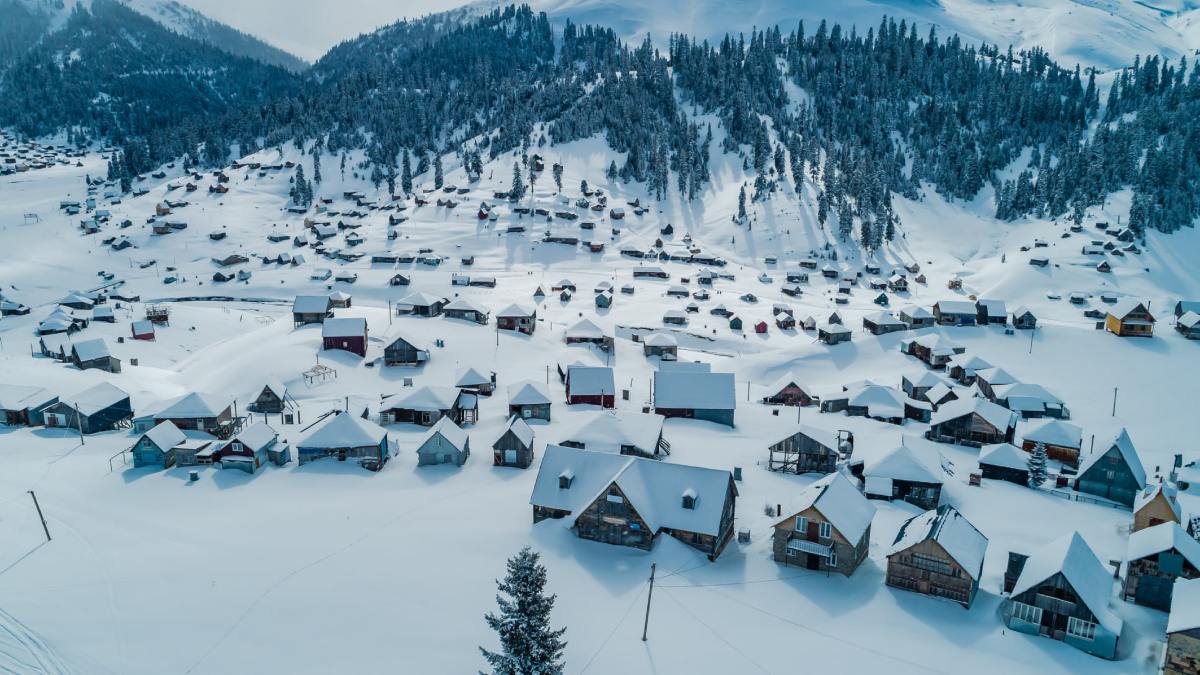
{"x":1106,"y":34}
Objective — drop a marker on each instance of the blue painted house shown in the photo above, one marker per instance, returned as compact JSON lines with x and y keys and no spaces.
{"x":1115,"y":473}
{"x":103,"y":407}
{"x":157,"y":447}
{"x":955,"y":313}
{"x":344,"y":437}
{"x":1063,"y":593}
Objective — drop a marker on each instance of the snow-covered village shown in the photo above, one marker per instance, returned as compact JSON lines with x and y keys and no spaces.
{"x":551,"y":346}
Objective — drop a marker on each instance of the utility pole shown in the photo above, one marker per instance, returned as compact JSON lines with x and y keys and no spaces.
{"x":1114,"y":410}
{"x":645,"y":626}
{"x":47,"y":529}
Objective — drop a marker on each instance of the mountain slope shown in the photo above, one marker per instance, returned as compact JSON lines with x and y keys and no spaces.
{"x":187,"y":21}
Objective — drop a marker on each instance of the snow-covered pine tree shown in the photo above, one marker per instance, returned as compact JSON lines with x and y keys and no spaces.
{"x":437,"y":172}
{"x":316,"y":155}
{"x":558,"y":171}
{"x":611,"y":174}
{"x":1037,"y":465}
{"x":583,"y":186}
{"x":517,"y":191}
{"x":741,"y":214}
{"x":405,"y":172}
{"x":528,"y":645}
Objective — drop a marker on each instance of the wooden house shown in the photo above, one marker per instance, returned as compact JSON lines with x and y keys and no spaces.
{"x":156,"y":447}
{"x":1062,"y":592}
{"x":467,"y":311}
{"x":663,"y":345}
{"x":881,"y":323}
{"x":421,"y":304}
{"x":426,"y":406}
{"x":807,"y":450}
{"x":972,"y":422}
{"x":1023,"y":318}
{"x":622,"y":433}
{"x":1188,"y":325}
{"x":1130,"y":318}
{"x":938,"y":553}
{"x":475,"y":381}
{"x":1155,"y":557}
{"x":630,"y":501}
{"x":347,"y":334}
{"x":934,"y":350}
{"x":401,"y":351}
{"x":208,"y":413}
{"x":899,"y":475}
{"x":1004,"y":461}
{"x":1115,"y":473}
{"x":103,"y":407}
{"x":517,"y":318}
{"x":695,"y":395}
{"x":514,"y":447}
{"x":788,"y":391}
{"x":833,"y":333}
{"x":829,"y":528}
{"x":585,"y":331}
{"x":591,"y":385}
{"x":529,"y":400}
{"x":1062,"y":440}
{"x":992,"y":312}
{"x":93,"y":354}
{"x":1156,"y":504}
{"x":272,"y":398}
{"x":1183,"y":630}
{"x":346,"y":437}
{"x":955,"y":313}
{"x":916,"y":317}
{"x":251,"y":449}
{"x":444,"y":443}
{"x":308,"y":309}
{"x":24,"y":405}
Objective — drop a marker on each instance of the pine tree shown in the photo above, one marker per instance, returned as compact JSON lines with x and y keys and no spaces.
{"x":517,"y":191}
{"x":583,"y":186}
{"x":558,"y":173}
{"x":437,"y":171}
{"x":741,"y":215}
{"x":611,"y":174}
{"x":1037,"y":465}
{"x":529,"y":646}
{"x":845,"y":222}
{"x":405,"y":172}
{"x":317,"y":166}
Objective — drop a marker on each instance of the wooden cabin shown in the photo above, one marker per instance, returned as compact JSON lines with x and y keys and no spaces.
{"x":308,"y":309}
{"x":695,"y":395}
{"x":517,"y":318}
{"x":788,"y":392}
{"x":1155,"y":557}
{"x":529,"y":400}
{"x":829,"y":529}
{"x":807,"y":450}
{"x":1115,"y":473}
{"x":1183,"y":631}
{"x":1006,"y":462}
{"x":102,"y":407}
{"x":403,"y":352}
{"x":899,"y":475}
{"x":346,"y":334}
{"x":1158,"y":503}
{"x":591,"y":385}
{"x":346,"y":437}
{"x":426,"y":406}
{"x":514,"y":447}
{"x":208,"y":413}
{"x":444,"y":443}
{"x":972,"y":422}
{"x":1062,"y":440}
{"x":938,"y":553}
{"x":1130,"y":318}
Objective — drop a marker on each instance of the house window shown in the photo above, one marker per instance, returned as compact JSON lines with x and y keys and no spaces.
{"x":826,"y":530}
{"x":1081,"y":629}
{"x":689,"y":501}
{"x":237,"y":447}
{"x":564,"y":482}
{"x":615,"y":499}
{"x":1027,"y":613}
{"x":801,"y":523}
{"x":832,"y":561}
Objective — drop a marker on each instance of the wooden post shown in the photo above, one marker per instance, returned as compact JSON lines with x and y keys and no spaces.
{"x":1114,"y":408}
{"x":47,"y":529}
{"x":645,"y":625}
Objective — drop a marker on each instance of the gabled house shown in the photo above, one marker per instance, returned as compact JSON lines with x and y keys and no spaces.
{"x":935,"y":350}
{"x":963,"y":368}
{"x":421,"y":304}
{"x":1155,"y":557}
{"x":1062,"y":440}
{"x":529,"y":400}
{"x":955,"y":313}
{"x":517,"y":318}
{"x":209,"y":413}
{"x":514,"y":447}
{"x":833,"y":333}
{"x":1063,"y":592}
{"x":1183,"y":630}
{"x":1023,"y":318}
{"x":1004,"y":461}
{"x":346,"y":437}
{"x":23,"y":405}
{"x":807,"y":450}
{"x":585,"y":331}
{"x":103,"y":407}
{"x":591,"y":385}
{"x":444,"y":443}
{"x":94,"y":354}
{"x":916,"y":317}
{"x":938,"y":553}
{"x":662,"y":345}
{"x":899,"y":475}
{"x":991,"y":312}
{"x":972,"y":422}
{"x":829,"y":528}
{"x":881,"y":323}
{"x":467,"y":311}
{"x":272,"y":398}
{"x":621,"y":432}
{"x":401,"y":351}
{"x":475,"y":381}
{"x":345,"y":334}
{"x":629,"y":501}
{"x":695,"y":395}
{"x":1156,"y":504}
{"x":1130,"y":318}
{"x":1115,"y":473}
{"x":157,"y":446}
{"x":251,"y":449}
{"x":1029,"y":400}
{"x":1188,"y":325}
{"x":787,"y":391}
{"x":427,"y":405}
{"x":308,"y":309}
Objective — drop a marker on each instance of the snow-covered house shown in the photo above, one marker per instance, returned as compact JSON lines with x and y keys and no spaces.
{"x":934,"y":349}
{"x":514,"y":447}
{"x":427,"y":405}
{"x":343,"y":437}
{"x":477,"y":381}
{"x":444,"y":443}
{"x":347,"y":334}
{"x":972,"y":422}
{"x":991,"y":312}
{"x":24,"y":405}
{"x":209,"y":413}
{"x":272,"y":398}
{"x":1115,"y":473}
{"x":955,"y":313}
{"x":663,"y":345}
{"x":421,"y":304}
{"x":899,"y":474}
{"x":517,"y":318}
{"x":880,"y":323}
{"x":629,"y":501}
{"x":833,"y":333}
{"x":103,"y":407}
{"x":788,"y":391}
{"x":963,"y":367}
{"x":1183,"y":630}
{"x":1063,"y":593}
{"x":1130,"y":318}
{"x":828,"y":529}
{"x":916,"y":317}
{"x":591,"y":385}
{"x":401,"y":351}
{"x":156,"y":447}
{"x":1062,"y":440}
{"x":621,"y":432}
{"x":1023,"y":318}
{"x":807,"y":450}
{"x":94,"y":354}
{"x":461,"y":308}
{"x":1155,"y":557}
{"x":938,"y":553}
{"x":695,"y":395}
{"x":1004,"y":461}
{"x":529,"y":400}
{"x":1030,"y":400}
{"x":308,"y":309}
{"x":1157,"y":503}
{"x":251,"y":449}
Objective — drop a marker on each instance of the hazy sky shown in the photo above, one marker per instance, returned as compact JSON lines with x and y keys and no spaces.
{"x":308,"y":28}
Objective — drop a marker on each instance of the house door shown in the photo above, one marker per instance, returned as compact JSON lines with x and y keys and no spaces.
{"x":813,"y":562}
{"x":510,"y":456}
{"x":1154,"y":592}
{"x":56,"y":420}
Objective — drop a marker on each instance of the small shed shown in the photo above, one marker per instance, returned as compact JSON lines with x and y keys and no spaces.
{"x":444,"y":443}
{"x":514,"y":447}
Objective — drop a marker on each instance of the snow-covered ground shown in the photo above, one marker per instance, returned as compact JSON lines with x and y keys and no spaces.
{"x":330,"y":568}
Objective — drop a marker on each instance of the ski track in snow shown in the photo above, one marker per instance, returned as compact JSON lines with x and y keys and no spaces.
{"x":24,"y":652}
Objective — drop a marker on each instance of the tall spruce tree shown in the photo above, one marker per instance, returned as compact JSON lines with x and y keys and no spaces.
{"x":437,"y":171}
{"x":1037,"y":465}
{"x":528,"y":645}
{"x":517,"y":191}
{"x":405,"y":172}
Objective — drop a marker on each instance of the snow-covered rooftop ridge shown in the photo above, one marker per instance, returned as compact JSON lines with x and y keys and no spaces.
{"x":344,"y":431}
{"x":901,"y":463}
{"x":840,"y":502}
{"x":1074,"y":558}
{"x":1124,"y":446}
{"x":952,"y":531}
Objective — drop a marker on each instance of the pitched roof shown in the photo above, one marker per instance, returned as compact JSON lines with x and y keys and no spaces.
{"x":165,"y":435}
{"x":94,"y":399}
{"x":1054,"y":432}
{"x":950,"y":529}
{"x":901,"y":463}
{"x":1185,"y":606}
{"x":585,"y":329}
{"x":998,"y":416}
{"x":421,"y":300}
{"x":22,"y":397}
{"x":955,"y":307}
{"x":1169,"y":492}
{"x":351,"y":326}
{"x":695,"y":390}
{"x":1163,"y":537}
{"x":608,"y":430}
{"x":426,"y":398}
{"x":344,"y":431}
{"x":1090,"y":579}
{"x":660,"y":340}
{"x":1124,"y":446}
{"x":1125,"y":306}
{"x":587,"y":380}
{"x":515,"y":311}
{"x":464,"y":305}
{"x":256,"y":436}
{"x":310,"y":304}
{"x":470,"y":377}
{"x":836,"y":498}
{"x":520,"y":429}
{"x":447,"y":429}
{"x":1004,"y":455}
{"x":89,"y":350}
{"x":195,"y":405}
{"x":527,"y":393}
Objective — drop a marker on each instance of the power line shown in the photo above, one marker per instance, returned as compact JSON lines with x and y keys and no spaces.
{"x":612,"y":632}
{"x":716,"y":633}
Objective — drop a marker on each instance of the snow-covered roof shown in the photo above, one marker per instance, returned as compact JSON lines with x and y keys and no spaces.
{"x":901,"y":463}
{"x":447,"y":429}
{"x":310,"y":304}
{"x":520,"y":429}
{"x":654,"y":489}
{"x":1004,"y":455}
{"x":195,"y":405}
{"x":660,"y":340}
{"x":1125,"y":306}
{"x":94,"y":399}
{"x":995,"y":376}
{"x":515,"y":311}
{"x":275,"y":387}
{"x":586,"y":380}
{"x":955,"y":307}
{"x":937,"y":344}
{"x":1124,"y":446}
{"x":1163,"y":537}
{"x":840,"y":502}
{"x":88,"y":350}
{"x":924,"y":378}
{"x":880,"y":401}
{"x":1188,"y":319}
{"x":427,"y":399}
{"x":608,"y":430}
{"x":832,"y":328}
{"x":1090,"y":579}
{"x":165,"y":435}
{"x":1185,"y":606}
{"x":998,"y":416}
{"x":952,"y":531}
{"x":345,"y":431}
{"x":351,"y":326}
{"x":916,"y":312}
{"x":527,"y":393}
{"x":1167,"y":490}
{"x":256,"y":436}
{"x":882,"y":318}
{"x":1026,"y":396}
{"x":462,"y":304}
{"x":993,"y":307}
{"x":421,"y":300}
{"x":470,"y":377}
{"x":1054,"y":432}
{"x":585,"y":329}
{"x":21,"y":397}
{"x":695,"y":390}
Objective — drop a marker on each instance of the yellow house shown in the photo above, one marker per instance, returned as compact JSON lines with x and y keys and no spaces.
{"x":1130,"y":318}
{"x":1155,"y":505}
